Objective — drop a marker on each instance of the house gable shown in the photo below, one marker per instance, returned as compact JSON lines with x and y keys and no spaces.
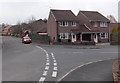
{"x":90,"y":18}
{"x":52,"y":25}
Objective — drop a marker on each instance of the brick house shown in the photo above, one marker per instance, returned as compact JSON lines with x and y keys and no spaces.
{"x":97,"y":26}
{"x":6,"y":30}
{"x":87,"y":26}
{"x":39,"y":26}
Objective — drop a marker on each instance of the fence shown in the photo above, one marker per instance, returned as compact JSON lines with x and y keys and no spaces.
{"x":40,"y":39}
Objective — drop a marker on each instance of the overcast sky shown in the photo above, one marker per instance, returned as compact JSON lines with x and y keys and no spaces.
{"x":13,"y":11}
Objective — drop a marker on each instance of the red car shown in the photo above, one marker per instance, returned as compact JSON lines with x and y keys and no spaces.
{"x":26,"y":40}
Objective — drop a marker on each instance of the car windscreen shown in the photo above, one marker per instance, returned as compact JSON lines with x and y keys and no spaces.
{"x":26,"y":38}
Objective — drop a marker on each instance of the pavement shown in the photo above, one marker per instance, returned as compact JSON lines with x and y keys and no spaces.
{"x":98,"y":71}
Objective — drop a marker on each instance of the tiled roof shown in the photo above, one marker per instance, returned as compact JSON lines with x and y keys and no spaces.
{"x":94,"y":16}
{"x":84,"y":28}
{"x":40,"y":26}
{"x":8,"y":27}
{"x":61,"y":15}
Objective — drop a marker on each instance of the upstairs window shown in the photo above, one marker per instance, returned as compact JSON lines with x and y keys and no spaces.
{"x":104,"y":35}
{"x":63,"y":35}
{"x":63,"y":23}
{"x":95,"y":24}
{"x":103,"y":24}
{"x":73,"y":23}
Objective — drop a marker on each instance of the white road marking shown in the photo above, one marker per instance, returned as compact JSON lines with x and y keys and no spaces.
{"x":53,"y":58}
{"x":108,"y":52}
{"x":42,"y":79}
{"x":55,"y":68}
{"x":54,"y":74}
{"x":47,"y":54}
{"x":79,"y":67}
{"x":42,"y":49}
{"x":54,"y":61}
{"x":55,"y":64}
{"x":52,"y":54}
{"x":47,"y":63}
{"x":47,"y":68}
{"x":45,"y":73}
{"x":47,"y":58}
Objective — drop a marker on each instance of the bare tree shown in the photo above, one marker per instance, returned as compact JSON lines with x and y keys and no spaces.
{"x":45,"y":20}
{"x":31,"y":23}
{"x":18,"y":28}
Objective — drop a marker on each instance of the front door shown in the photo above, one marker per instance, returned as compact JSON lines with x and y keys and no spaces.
{"x":95,"y":38}
{"x":73,"y":37}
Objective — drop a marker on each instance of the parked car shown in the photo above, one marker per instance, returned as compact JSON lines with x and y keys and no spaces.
{"x":26,"y":40}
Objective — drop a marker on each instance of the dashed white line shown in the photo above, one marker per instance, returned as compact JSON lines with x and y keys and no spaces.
{"x":47,"y":58}
{"x":47,"y":63}
{"x":45,"y":73}
{"x":55,"y":64}
{"x":47,"y":54}
{"x":55,"y":68}
{"x":47,"y":68}
{"x":53,"y":58}
{"x":54,"y":74}
{"x":54,"y":61}
{"x":42,"y":79}
{"x":52,"y":54}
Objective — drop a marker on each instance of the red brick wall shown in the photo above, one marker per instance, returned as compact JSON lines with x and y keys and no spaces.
{"x":51,"y":27}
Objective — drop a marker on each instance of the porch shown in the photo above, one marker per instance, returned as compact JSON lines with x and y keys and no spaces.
{"x":85,"y":37}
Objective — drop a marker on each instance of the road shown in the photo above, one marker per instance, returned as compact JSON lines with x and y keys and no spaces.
{"x":99,"y":71}
{"x":71,"y":57}
{"x":35,"y":62}
{"x":21,"y":62}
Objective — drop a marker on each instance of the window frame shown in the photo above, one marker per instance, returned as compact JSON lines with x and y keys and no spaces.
{"x":64,"y":35}
{"x":74,"y":23}
{"x":103,"y":24}
{"x":63,"y":23}
{"x":105,"y":35}
{"x":95,"y":24}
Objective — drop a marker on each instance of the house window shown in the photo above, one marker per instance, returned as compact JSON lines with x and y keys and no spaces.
{"x":104,"y":35}
{"x":95,"y":24}
{"x":73,"y":23}
{"x":103,"y":24}
{"x":63,"y":23}
{"x":63,"y":35}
